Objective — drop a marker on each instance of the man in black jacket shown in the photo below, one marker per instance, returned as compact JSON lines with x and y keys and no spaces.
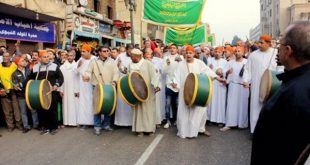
{"x":283,"y":128}
{"x":46,"y":69}
{"x":19,"y":78}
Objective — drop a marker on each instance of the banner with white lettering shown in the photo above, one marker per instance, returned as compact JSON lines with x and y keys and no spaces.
{"x":16,"y":28}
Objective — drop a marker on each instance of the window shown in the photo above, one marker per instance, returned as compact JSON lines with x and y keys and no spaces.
{"x":270,"y":13}
{"x":110,"y":12}
{"x":97,"y":6}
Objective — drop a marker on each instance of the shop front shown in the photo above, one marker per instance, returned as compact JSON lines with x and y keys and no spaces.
{"x":30,"y":33}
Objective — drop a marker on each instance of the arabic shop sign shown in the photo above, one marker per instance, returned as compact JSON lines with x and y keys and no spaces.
{"x":172,"y":12}
{"x":86,"y":24}
{"x":26,"y":30}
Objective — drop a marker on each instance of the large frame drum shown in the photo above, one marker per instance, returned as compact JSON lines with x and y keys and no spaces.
{"x":133,"y":88}
{"x":269,"y":85}
{"x":197,"y":90}
{"x":104,"y":99}
{"x":38,"y":94}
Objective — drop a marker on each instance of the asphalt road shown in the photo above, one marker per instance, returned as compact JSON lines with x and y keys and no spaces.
{"x":122,"y":147}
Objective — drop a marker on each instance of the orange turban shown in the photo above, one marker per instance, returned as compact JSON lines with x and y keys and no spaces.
{"x":229,"y":49}
{"x":265,"y":37}
{"x":219,"y":48}
{"x":42,"y":52}
{"x":18,"y":59}
{"x":190,"y":48}
{"x":86,"y":47}
{"x":241,"y":48}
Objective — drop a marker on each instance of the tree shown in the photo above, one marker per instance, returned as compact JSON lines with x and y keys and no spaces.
{"x":235,"y":40}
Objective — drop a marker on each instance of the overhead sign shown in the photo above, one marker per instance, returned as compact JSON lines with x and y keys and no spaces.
{"x":16,"y":28}
{"x":172,"y":12}
{"x":184,"y":36}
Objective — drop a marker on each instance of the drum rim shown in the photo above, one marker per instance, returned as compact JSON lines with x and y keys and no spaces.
{"x":101,"y":95}
{"x":210,"y":91}
{"x":27,"y":95}
{"x":114,"y":103}
{"x":44,"y":104}
{"x":195,"y":90}
{"x":121,"y":92}
{"x":132,"y":89}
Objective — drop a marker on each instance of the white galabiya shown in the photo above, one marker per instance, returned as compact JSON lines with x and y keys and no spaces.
{"x":190,"y":120}
{"x":69,"y":88}
{"x":123,"y":113}
{"x":237,"y":96}
{"x":257,"y":63}
{"x":85,"y":115}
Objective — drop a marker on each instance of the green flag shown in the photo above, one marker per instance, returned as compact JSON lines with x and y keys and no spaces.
{"x":191,"y":36}
{"x":172,"y":12}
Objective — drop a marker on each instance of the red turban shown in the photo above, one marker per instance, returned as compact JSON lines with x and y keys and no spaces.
{"x":229,"y":49}
{"x":265,"y":37}
{"x":18,"y":59}
{"x":219,"y":48}
{"x":86,"y":47}
{"x":190,"y":48}
{"x":42,"y":52}
{"x":153,"y":45}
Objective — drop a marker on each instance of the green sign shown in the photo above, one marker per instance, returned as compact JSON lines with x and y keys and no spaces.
{"x":191,"y":36}
{"x":172,"y":12}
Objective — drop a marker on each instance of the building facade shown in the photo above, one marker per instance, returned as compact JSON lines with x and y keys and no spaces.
{"x":276,"y":15}
{"x":35,"y":24}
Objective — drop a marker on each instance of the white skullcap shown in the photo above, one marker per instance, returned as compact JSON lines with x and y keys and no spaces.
{"x":136,"y":51}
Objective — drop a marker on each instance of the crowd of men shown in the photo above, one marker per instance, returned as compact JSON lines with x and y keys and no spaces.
{"x":236,"y":71}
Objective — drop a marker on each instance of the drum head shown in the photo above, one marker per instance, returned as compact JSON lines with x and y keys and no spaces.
{"x":139,"y":86}
{"x":189,"y":87}
{"x":97,"y":98}
{"x":265,"y":85}
{"x":45,"y":99}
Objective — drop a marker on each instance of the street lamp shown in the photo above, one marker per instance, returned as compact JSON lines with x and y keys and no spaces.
{"x":132,"y":7}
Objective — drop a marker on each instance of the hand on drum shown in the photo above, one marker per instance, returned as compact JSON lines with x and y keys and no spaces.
{"x":174,"y":85}
{"x":85,"y":77}
{"x":157,"y":89}
{"x":246,"y":85}
{"x":2,"y":92}
{"x":55,"y":87}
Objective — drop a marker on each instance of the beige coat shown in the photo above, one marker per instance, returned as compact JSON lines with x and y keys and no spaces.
{"x":144,"y":114}
{"x":104,"y":72}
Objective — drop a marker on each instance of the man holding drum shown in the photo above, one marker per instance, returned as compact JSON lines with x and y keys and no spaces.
{"x":283,"y":128}
{"x":102,"y":70}
{"x":144,"y":113}
{"x":48,"y":70}
{"x":191,"y":119}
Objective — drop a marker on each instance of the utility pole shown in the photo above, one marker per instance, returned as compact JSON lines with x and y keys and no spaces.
{"x":131,"y":9}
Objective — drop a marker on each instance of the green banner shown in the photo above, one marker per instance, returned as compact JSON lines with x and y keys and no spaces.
{"x":172,"y":12}
{"x":185,"y":36}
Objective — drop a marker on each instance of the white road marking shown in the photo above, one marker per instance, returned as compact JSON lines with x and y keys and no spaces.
{"x":146,"y":154}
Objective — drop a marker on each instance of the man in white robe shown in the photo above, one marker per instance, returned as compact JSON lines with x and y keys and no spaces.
{"x":158,"y":63}
{"x":238,"y":95}
{"x":123,"y":113}
{"x":217,"y":106}
{"x":190,"y":120}
{"x":258,"y":61}
{"x":144,"y":113}
{"x":69,"y":90}
{"x":85,"y":105}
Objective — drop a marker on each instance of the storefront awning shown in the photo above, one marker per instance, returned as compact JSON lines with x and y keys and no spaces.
{"x":26,"y":13}
{"x":122,"y":40}
{"x":86,"y":34}
{"x":107,"y":36}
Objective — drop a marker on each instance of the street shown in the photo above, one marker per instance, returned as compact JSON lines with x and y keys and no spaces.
{"x":73,"y":146}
